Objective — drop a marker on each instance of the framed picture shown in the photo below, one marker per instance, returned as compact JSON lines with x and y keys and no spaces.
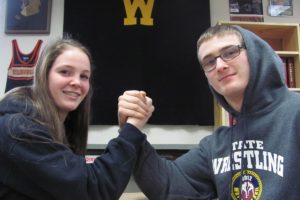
{"x":281,"y":8}
{"x":28,"y":16}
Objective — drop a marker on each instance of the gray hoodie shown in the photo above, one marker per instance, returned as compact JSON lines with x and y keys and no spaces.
{"x":258,"y":158}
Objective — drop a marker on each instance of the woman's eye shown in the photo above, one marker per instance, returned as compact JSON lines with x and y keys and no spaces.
{"x":64,"y":72}
{"x":85,"y":77}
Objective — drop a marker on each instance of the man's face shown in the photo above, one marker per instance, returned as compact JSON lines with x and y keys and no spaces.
{"x":229,"y":78}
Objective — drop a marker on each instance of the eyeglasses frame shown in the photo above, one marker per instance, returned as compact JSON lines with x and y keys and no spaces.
{"x":240,"y":46}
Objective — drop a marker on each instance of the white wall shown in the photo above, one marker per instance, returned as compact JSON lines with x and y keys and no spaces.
{"x":163,"y":137}
{"x":26,"y":43}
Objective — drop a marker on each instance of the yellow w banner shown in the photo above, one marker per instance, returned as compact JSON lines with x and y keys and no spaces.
{"x":131,"y":8}
{"x":145,"y":45}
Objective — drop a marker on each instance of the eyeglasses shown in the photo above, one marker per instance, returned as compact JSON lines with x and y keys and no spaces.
{"x":226,"y":54}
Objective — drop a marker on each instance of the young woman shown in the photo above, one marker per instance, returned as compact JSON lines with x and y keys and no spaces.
{"x":44,"y":128}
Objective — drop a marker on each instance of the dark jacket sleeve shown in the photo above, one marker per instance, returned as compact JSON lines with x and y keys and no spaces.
{"x":38,"y":168}
{"x":187,"y":177}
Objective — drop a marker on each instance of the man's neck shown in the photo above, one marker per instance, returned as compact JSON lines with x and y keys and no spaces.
{"x":235,"y":103}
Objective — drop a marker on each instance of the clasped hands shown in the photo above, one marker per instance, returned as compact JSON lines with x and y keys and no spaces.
{"x":134,"y":107}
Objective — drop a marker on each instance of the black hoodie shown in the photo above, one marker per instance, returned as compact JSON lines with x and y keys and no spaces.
{"x":33,"y":166}
{"x":263,"y":147}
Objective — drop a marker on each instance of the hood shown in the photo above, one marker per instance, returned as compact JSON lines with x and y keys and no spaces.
{"x":12,"y":104}
{"x":266,"y":81}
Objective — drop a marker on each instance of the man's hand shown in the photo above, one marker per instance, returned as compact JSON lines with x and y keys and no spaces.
{"x":134,"y":107}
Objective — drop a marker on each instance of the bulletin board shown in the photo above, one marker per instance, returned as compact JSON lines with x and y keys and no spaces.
{"x":145,"y":45}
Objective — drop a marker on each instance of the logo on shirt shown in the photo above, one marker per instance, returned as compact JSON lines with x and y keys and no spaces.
{"x":253,"y":153}
{"x":248,"y":185}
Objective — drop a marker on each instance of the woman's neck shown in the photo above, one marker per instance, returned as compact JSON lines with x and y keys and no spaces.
{"x":62,"y":116}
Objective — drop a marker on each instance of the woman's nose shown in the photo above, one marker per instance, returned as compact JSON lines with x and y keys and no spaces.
{"x":75,"y":80}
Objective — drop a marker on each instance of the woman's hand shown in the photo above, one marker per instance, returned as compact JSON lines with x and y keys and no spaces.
{"x":135,"y":108}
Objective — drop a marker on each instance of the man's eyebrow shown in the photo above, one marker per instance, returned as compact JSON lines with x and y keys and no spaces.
{"x":219,"y":51}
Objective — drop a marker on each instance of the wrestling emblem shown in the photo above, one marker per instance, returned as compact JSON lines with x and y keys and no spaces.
{"x":247,"y":185}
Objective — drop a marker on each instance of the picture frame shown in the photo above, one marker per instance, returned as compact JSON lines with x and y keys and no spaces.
{"x":278,"y":8}
{"x":28,"y":16}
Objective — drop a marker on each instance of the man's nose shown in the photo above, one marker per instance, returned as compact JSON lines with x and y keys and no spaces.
{"x":220,"y":63}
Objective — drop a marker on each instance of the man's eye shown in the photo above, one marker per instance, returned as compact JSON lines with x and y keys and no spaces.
{"x":210,"y":62}
{"x":229,"y":53}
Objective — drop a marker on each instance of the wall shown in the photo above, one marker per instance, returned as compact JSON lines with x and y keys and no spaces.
{"x":26,"y":42}
{"x":163,"y":137}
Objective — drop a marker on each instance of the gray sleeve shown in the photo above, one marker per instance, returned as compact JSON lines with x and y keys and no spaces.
{"x":188,"y":177}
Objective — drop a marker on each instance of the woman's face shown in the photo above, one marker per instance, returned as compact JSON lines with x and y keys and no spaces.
{"x":69,"y":80}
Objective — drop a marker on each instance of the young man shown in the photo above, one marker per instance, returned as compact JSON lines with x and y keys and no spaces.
{"x":258,"y":157}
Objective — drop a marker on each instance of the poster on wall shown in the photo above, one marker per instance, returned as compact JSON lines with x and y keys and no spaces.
{"x":246,"y":10}
{"x":145,"y":45}
{"x":28,"y":16}
{"x":281,"y":8}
